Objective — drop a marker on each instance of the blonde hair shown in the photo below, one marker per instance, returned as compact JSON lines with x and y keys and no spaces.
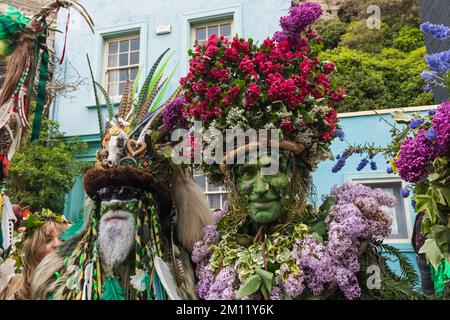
{"x":43,"y":281}
{"x":32,"y":254}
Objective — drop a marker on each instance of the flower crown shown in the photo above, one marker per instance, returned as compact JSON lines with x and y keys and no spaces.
{"x":279,"y":84}
{"x":33,"y":221}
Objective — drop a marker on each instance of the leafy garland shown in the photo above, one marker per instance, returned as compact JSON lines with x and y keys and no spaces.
{"x":230,"y":266}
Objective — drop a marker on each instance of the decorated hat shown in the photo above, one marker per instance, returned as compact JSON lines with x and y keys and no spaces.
{"x":277,"y":84}
{"x":130,"y":154}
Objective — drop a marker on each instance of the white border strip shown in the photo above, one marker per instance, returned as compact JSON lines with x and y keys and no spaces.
{"x":385,"y":111}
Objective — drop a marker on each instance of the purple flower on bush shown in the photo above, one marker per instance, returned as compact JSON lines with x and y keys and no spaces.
{"x":415,"y":123}
{"x":276,"y":294}
{"x":431,"y":112}
{"x":299,"y":18}
{"x":415,"y":156}
{"x":340,"y":134}
{"x":373,"y":165}
{"x":339,"y":164}
{"x":405,"y":193}
{"x":173,"y":115}
{"x":441,"y":126}
{"x":439,"y":62}
{"x":438,"y":31}
{"x":431,"y":134}
{"x":362,"y":164}
{"x":389,"y":170}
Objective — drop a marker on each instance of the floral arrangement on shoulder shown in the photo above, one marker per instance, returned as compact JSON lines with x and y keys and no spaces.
{"x":420,"y":154}
{"x":278,"y":84}
{"x":321,"y":259}
{"x":333,"y":252}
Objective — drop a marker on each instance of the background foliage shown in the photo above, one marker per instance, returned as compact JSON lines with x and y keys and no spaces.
{"x":378,"y":69}
{"x":43,"y":171}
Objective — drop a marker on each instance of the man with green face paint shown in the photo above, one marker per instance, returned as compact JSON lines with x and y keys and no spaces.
{"x":266,"y":197}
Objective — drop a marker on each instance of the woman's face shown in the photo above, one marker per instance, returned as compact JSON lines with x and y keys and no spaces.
{"x":52,"y":240}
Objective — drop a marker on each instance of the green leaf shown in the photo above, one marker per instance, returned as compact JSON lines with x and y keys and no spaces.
{"x":158,"y":74}
{"x":112,"y":290}
{"x":401,"y":117}
{"x":319,"y":228}
{"x":250,"y":286}
{"x":266,"y":277}
{"x":422,"y":202}
{"x":73,"y":230}
{"x":432,"y":252}
{"x":162,"y":91}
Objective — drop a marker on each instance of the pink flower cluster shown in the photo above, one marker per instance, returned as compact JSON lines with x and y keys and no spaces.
{"x":280,"y":73}
{"x":417,"y":153}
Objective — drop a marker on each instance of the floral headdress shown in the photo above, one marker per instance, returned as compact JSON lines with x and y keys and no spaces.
{"x":33,"y":221}
{"x":279,"y":84}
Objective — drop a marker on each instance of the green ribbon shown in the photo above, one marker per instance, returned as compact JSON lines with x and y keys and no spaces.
{"x":441,"y":276}
{"x":40,"y":101}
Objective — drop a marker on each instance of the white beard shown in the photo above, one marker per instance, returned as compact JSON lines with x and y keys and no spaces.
{"x":116,"y":237}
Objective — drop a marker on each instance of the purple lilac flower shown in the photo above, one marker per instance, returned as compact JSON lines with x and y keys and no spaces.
{"x":373,"y":165}
{"x":415,"y":156}
{"x":224,"y":285}
{"x":389,"y":169}
{"x":439,"y":62}
{"x":299,"y":18}
{"x":276,"y":294}
{"x":173,"y":115}
{"x":441,"y":125}
{"x":431,"y":112}
{"x":405,"y":193}
{"x":220,"y":214}
{"x":438,"y":31}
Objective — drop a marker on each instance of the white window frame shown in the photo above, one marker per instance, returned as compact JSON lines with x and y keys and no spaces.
{"x":195,"y":26}
{"x":370,"y":179}
{"x":106,"y":69}
{"x":205,"y":189}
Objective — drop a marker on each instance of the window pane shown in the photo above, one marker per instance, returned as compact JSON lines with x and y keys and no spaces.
{"x":112,"y":89}
{"x":123,"y":75}
{"x":134,"y":58}
{"x":124,"y":45}
{"x":112,"y":61}
{"x":133,"y":73}
{"x":225,"y":29}
{"x":200,"y":181}
{"x":213,"y":30}
{"x":121,"y":88}
{"x":200,"y":34}
{"x":214,"y":201}
{"x":213,"y":187}
{"x":112,"y":76}
{"x":123,"y":59}
{"x":134,"y":44}
{"x":113,"y":46}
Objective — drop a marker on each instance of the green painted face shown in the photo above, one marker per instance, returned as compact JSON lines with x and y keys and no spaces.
{"x":265,"y":196}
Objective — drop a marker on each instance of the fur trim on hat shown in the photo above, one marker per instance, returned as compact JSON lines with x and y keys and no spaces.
{"x":97,"y":178}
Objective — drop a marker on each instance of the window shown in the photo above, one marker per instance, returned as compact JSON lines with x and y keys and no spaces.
{"x":202,"y":32}
{"x":122,"y":63}
{"x":216,"y":195}
{"x":399,"y":227}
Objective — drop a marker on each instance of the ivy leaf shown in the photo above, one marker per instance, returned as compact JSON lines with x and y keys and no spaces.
{"x":432,"y":252}
{"x":250,"y":286}
{"x":401,"y":117}
{"x":112,"y":290}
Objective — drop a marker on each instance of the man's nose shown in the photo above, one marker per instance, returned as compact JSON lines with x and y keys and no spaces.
{"x":261,"y":186}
